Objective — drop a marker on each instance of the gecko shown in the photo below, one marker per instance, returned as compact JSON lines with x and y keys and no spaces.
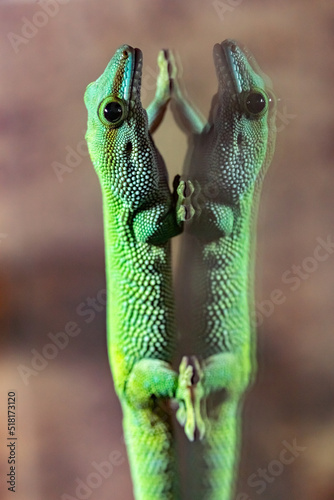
{"x":225,"y":166}
{"x":140,"y":218}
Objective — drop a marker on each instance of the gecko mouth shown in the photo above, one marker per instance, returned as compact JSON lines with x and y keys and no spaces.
{"x":227,"y":57}
{"x":136,"y":74}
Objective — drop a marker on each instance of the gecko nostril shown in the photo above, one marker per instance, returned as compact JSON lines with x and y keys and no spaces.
{"x":128,"y":148}
{"x":239,"y":139}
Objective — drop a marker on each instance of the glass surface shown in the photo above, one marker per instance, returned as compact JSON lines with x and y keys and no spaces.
{"x":52,"y":282}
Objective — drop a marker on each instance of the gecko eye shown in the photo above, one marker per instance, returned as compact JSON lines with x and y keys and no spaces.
{"x":112,"y":112}
{"x":256,"y":103}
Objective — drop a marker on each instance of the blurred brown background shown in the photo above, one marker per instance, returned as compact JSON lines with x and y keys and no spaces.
{"x":51,"y":240}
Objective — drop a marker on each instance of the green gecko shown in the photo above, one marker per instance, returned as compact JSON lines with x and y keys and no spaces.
{"x":139,"y":220}
{"x":140,"y":217}
{"x":226,"y":163}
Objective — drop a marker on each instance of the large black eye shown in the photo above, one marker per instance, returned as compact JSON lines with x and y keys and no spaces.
{"x":112,"y":111}
{"x":255,"y":103}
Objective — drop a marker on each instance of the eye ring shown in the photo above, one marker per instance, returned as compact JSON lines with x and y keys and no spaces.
{"x":272,"y":101}
{"x":256,"y":102}
{"x":112,"y":111}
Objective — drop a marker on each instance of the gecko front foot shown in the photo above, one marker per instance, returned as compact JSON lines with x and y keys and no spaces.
{"x":184,"y":207}
{"x":157,"y":108}
{"x":190,"y":397}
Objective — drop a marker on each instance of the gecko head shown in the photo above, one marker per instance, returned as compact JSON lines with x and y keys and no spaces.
{"x":242,"y":118}
{"x":118,"y":138}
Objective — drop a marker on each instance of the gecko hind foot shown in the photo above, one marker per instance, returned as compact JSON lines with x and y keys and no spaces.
{"x":190,"y":396}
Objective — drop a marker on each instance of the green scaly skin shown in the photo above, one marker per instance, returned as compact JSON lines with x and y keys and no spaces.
{"x":139,"y":219}
{"x":227,"y":161}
